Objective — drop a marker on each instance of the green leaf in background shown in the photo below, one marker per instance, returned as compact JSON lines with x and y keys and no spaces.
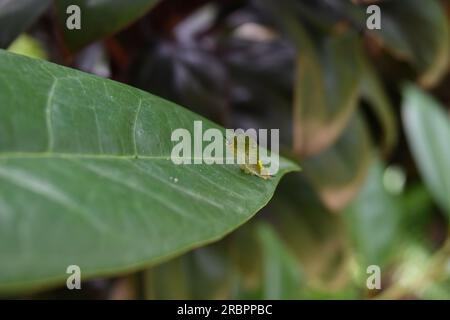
{"x":327,"y":78}
{"x":204,"y":273}
{"x":338,"y":172}
{"x":282,"y":278}
{"x":375,"y":95}
{"x":419,"y":33}
{"x":418,"y":206}
{"x":427,"y":128}
{"x":326,"y":92}
{"x":229,"y":269}
{"x":100,"y":18}
{"x":390,"y":229}
{"x":312,"y":233}
{"x":28,"y":46}
{"x":251,"y":263}
{"x":373,"y":219}
{"x":16,"y":16}
{"x":86,"y":178}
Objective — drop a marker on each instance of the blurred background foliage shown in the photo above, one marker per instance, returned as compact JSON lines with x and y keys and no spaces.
{"x":365,"y":112}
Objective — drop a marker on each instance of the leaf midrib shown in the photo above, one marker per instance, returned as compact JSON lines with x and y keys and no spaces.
{"x":15,"y":155}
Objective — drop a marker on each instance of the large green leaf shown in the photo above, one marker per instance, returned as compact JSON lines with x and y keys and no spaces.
{"x":86,"y":178}
{"x":100,"y":18}
{"x":16,"y":16}
{"x":428,"y":130}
